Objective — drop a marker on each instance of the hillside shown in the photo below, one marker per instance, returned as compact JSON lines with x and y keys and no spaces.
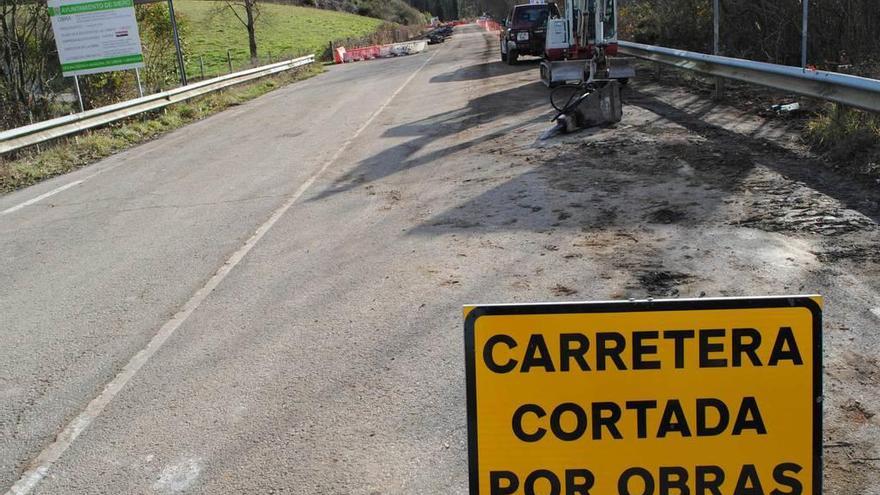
{"x":411,"y":12}
{"x":404,"y":11}
{"x":282,"y":30}
{"x":396,"y":11}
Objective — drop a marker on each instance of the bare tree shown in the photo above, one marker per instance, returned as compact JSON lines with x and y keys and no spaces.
{"x":27,"y":51}
{"x":840,"y":31}
{"x":247,"y":11}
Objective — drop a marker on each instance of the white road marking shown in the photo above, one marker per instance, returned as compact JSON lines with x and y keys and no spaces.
{"x":41,"y":464}
{"x":132,"y":155}
{"x":41,"y":197}
{"x":876,"y":312}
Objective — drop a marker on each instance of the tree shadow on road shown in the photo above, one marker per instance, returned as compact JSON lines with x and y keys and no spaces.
{"x":685,"y":179}
{"x":407,"y":155}
{"x":484,"y":71}
{"x":863,"y":198}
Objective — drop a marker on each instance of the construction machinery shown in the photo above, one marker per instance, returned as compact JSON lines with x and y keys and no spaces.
{"x":581,"y":65}
{"x":582,"y":45}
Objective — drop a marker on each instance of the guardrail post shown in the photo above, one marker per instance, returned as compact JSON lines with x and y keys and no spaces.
{"x":31,"y":119}
{"x":806,"y":26}
{"x":202,"y":66}
{"x":716,"y":46}
{"x":229,"y":60}
{"x":719,"y":88}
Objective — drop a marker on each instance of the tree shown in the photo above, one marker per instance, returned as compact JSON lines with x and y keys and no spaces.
{"x":157,"y":40}
{"x":840,"y":31}
{"x":247,"y":11}
{"x":28,"y":64}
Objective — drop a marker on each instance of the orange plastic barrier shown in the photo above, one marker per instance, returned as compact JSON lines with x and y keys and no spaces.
{"x":490,"y":26}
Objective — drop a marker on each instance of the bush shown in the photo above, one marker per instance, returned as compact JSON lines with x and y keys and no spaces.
{"x":843,"y":132}
{"x":396,"y":11}
{"x":157,"y":40}
{"x":160,"y":61}
{"x":685,"y":24}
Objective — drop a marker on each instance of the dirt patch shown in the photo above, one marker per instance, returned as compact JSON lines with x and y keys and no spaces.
{"x":666,"y":216}
{"x":774,"y":204}
{"x":852,"y":253}
{"x":685,"y":198}
{"x":392,"y":198}
{"x":856,"y":411}
{"x":562,"y":291}
{"x":662,"y":283}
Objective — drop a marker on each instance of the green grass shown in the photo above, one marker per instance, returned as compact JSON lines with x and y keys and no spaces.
{"x":848,"y":136}
{"x":282,"y":30}
{"x":72,"y":153}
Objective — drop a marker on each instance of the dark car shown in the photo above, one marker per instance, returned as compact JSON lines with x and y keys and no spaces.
{"x":525,"y":30}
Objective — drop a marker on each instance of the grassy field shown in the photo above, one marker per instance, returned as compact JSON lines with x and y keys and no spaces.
{"x":282,"y":30}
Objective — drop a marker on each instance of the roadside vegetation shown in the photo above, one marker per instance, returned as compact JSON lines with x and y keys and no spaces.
{"x":843,"y":38}
{"x":32,"y":89}
{"x":71,"y":153}
{"x":849,"y":136}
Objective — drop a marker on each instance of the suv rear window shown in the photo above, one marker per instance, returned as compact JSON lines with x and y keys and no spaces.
{"x":530,"y":16}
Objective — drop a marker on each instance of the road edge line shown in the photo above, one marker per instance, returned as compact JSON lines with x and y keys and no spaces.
{"x":40,"y":465}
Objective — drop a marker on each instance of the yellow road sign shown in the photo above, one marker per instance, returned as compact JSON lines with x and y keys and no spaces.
{"x":680,"y":397}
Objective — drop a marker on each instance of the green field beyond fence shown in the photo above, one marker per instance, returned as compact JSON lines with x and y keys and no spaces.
{"x":283,"y":31}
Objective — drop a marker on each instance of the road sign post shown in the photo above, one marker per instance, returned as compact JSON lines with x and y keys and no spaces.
{"x":631,"y":398}
{"x":176,"y":33}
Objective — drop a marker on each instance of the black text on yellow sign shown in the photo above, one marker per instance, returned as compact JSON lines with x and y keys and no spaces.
{"x":688,"y":397}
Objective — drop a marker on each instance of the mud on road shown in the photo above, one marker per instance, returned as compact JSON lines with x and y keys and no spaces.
{"x":688,"y":198}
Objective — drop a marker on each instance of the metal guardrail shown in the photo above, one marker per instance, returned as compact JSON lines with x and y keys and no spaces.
{"x":40,"y":132}
{"x":859,"y":92}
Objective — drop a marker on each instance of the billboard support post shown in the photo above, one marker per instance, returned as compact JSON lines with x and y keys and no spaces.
{"x":180,"y":66}
{"x":137,"y":75}
{"x":79,"y":97}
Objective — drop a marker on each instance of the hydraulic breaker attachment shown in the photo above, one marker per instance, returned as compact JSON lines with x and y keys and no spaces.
{"x":601,"y":106}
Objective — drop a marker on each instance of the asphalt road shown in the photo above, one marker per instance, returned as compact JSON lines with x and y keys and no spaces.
{"x":274,"y":294}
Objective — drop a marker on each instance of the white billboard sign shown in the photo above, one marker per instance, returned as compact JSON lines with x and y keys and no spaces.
{"x":95,"y":36}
